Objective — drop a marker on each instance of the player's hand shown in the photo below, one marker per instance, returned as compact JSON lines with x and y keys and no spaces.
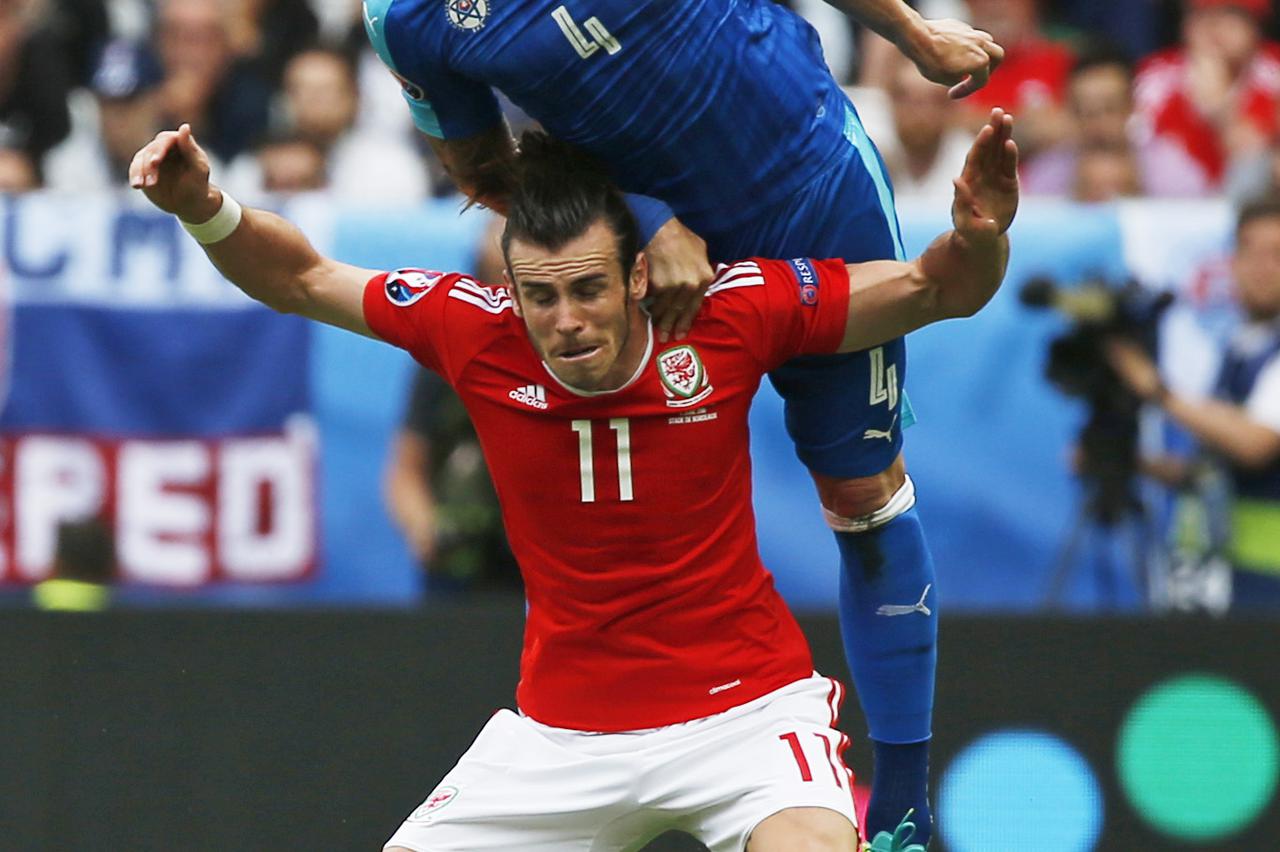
{"x":679,"y":275}
{"x":173,"y":172}
{"x":954,"y":54}
{"x":986,"y":197}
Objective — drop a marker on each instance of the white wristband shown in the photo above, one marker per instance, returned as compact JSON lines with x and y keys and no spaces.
{"x":226,"y":220}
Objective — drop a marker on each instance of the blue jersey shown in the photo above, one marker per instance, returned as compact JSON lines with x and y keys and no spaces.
{"x":720,"y":108}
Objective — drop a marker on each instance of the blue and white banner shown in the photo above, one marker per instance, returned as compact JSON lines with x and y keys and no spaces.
{"x":143,"y":389}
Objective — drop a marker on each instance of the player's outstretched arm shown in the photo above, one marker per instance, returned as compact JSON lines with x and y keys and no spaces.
{"x":946,"y":51}
{"x":962,"y":269}
{"x":263,"y":255}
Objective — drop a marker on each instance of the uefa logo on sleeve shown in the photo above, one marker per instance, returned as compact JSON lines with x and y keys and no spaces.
{"x":406,"y":286}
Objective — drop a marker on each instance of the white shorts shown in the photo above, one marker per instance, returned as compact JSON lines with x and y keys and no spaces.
{"x":529,"y":787}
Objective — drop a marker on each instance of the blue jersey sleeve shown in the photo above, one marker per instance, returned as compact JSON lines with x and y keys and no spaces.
{"x":650,"y":214}
{"x":444,"y":104}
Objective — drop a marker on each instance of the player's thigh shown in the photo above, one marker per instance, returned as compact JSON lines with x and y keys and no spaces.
{"x":515,"y":789}
{"x":784,"y":755}
{"x":804,"y":830}
{"x":842,"y":411}
{"x":845,"y":413}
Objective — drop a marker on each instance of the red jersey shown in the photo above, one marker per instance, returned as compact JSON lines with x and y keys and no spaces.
{"x":1162,"y":100}
{"x":1032,"y":74}
{"x":629,"y":511}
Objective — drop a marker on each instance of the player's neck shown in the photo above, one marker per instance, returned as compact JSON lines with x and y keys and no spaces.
{"x":629,"y":364}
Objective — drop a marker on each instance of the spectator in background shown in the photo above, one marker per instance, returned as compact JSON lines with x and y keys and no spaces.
{"x":84,"y":565}
{"x":1254,"y":177}
{"x":268,"y":33}
{"x":17,"y":171}
{"x":1217,"y":94}
{"x":1104,"y":173}
{"x":34,"y":83}
{"x":127,"y":99}
{"x":925,"y":149}
{"x":320,"y":101}
{"x":205,"y":84}
{"x":1133,"y":25}
{"x":291,"y":164}
{"x":1031,"y":82}
{"x":437,"y":485}
{"x":1240,"y":424}
{"x":1100,"y":104}
{"x":81,"y":27}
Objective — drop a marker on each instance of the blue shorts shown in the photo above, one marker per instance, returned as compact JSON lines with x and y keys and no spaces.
{"x":844,"y":412}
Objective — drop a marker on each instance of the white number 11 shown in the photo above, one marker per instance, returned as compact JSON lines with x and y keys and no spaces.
{"x":586,"y":458}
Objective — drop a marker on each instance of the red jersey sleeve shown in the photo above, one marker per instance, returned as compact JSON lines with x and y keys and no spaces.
{"x":784,"y":308}
{"x":417,"y":310}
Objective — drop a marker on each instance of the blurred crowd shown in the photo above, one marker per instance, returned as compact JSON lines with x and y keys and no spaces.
{"x":1114,"y":99}
{"x":1164,"y":98}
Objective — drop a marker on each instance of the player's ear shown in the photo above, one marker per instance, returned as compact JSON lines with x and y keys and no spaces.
{"x":639,"y":284}
{"x":515,"y":294}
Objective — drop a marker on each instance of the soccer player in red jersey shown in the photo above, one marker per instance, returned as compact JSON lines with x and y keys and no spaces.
{"x":664,"y":684}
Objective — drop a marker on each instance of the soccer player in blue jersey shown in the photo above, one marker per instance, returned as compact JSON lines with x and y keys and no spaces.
{"x":725,"y":111}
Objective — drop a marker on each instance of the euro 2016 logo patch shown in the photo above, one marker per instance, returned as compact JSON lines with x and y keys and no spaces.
{"x":467,"y":14}
{"x":806,"y":280}
{"x":406,"y":286}
{"x":684,"y":378}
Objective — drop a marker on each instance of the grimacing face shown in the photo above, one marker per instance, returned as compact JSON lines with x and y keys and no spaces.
{"x":1257,"y":268}
{"x":582,"y":318}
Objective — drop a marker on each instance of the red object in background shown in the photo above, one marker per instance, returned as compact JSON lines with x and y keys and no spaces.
{"x":1033,"y":73}
{"x":1162,"y":101}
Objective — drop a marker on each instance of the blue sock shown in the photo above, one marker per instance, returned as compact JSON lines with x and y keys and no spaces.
{"x":892,"y":655}
{"x":900,"y":784}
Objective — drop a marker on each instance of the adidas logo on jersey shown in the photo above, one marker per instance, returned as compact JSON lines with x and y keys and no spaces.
{"x":535,"y":395}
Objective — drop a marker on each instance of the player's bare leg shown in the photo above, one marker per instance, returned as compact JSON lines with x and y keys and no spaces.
{"x":889,"y":621}
{"x":858,"y":498}
{"x":804,"y":830}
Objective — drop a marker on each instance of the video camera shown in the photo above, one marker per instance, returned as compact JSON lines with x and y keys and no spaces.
{"x":1078,"y":366}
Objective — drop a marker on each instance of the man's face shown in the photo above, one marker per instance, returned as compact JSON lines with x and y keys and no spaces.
{"x":1104,"y":174}
{"x":582,"y":317}
{"x":1101,"y":102}
{"x":1229,"y":34}
{"x":191,"y":38}
{"x":293,"y":166}
{"x":320,"y":95}
{"x":128,"y":123}
{"x":1257,"y":268}
{"x":920,"y":108}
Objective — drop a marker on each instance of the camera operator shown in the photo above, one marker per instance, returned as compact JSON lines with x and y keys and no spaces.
{"x":1240,"y":423}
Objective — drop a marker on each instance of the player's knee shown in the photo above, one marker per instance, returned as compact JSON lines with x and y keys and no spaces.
{"x":804,"y":830}
{"x":865,"y":503}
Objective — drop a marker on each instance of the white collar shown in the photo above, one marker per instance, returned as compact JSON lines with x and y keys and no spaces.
{"x":648,"y":352}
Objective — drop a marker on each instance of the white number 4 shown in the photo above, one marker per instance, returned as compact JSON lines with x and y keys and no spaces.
{"x":884,"y":383}
{"x":589,"y":42}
